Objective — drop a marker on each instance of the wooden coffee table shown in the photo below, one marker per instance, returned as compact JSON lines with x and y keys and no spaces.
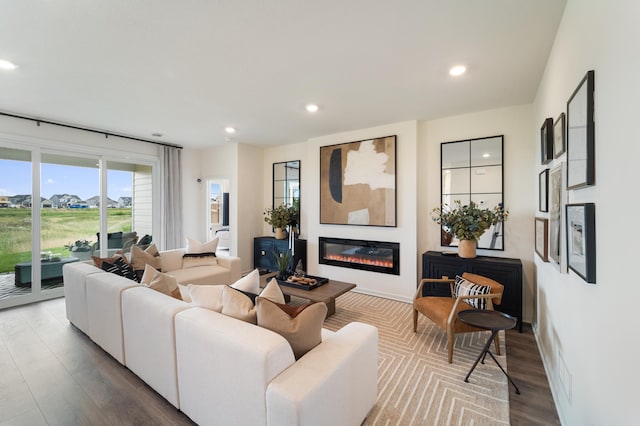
{"x":326,"y":293}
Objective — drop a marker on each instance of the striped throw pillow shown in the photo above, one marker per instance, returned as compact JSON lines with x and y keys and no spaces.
{"x":467,"y":288}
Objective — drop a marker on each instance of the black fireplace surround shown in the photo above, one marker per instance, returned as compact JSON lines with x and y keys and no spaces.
{"x":375,"y":256}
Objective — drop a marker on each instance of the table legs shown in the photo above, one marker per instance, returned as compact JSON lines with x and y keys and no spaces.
{"x":482,"y":356}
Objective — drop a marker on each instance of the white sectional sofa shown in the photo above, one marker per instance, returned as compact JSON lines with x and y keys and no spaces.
{"x":219,"y":370}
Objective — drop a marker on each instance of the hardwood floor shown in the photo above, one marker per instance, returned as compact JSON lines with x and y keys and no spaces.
{"x":52,"y":374}
{"x":534,"y":405}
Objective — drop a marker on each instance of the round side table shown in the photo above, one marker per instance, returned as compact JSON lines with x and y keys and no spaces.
{"x":489,"y":320}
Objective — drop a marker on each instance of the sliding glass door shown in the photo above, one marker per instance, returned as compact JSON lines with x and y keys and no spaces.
{"x":68,"y":223}
{"x":15,"y":225}
{"x":53,"y":212}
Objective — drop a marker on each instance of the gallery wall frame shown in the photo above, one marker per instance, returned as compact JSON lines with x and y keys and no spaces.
{"x":542,"y":237}
{"x":546,"y":141}
{"x":559,"y":140}
{"x":581,"y":135}
{"x":543,"y":191}
{"x":557,"y":197}
{"x":358,"y":183}
{"x":581,"y":240}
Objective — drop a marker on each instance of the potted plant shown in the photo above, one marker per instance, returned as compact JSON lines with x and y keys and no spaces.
{"x":283,"y":262}
{"x":467,"y":223}
{"x":279,"y":217}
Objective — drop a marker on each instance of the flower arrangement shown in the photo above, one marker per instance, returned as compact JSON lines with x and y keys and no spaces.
{"x":468,"y":222}
{"x":281,"y":216}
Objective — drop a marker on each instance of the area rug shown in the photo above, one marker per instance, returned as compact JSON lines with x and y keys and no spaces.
{"x":416,"y":384}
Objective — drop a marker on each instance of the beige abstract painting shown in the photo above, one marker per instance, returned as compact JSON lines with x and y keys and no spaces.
{"x":358,"y":183}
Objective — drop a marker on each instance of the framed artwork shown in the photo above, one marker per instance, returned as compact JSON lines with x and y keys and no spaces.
{"x":542,"y":241}
{"x":543,"y":191}
{"x":358,"y":183}
{"x":581,"y":135}
{"x":556,"y":198}
{"x":559,"y":145}
{"x":581,"y":240}
{"x":546,"y":141}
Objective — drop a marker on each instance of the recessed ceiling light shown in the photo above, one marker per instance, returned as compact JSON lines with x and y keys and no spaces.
{"x":457,"y":70}
{"x":229,"y":130}
{"x":486,"y":155}
{"x":6,"y":65}
{"x":312,"y":108}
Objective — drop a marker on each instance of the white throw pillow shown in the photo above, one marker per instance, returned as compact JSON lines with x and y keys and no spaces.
{"x":194,"y":246}
{"x":249,"y":283}
{"x":273,"y":292}
{"x":206,"y":296}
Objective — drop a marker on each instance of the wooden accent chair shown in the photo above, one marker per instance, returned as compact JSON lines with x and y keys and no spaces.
{"x":443,"y":311}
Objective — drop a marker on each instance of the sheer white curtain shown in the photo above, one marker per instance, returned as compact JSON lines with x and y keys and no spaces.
{"x":172,"y":197}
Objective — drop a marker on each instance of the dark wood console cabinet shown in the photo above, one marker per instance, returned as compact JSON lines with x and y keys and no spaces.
{"x":263,"y":248}
{"x":506,"y":271}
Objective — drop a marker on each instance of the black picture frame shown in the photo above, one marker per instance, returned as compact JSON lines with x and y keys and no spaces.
{"x":546,"y":141}
{"x":543,"y":191}
{"x":581,"y":240}
{"x":559,"y":140}
{"x":542,"y":238}
{"x":581,"y":135}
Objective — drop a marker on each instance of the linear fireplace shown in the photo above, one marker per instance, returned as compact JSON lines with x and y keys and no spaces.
{"x":373,"y":256}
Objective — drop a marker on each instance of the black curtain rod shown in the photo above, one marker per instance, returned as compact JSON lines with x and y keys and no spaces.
{"x":69,"y":126}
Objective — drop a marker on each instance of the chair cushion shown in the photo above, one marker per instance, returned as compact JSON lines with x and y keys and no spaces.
{"x":464,"y":287}
{"x":437,"y":309}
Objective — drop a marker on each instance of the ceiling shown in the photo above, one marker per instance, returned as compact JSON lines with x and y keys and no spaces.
{"x":187,"y":69}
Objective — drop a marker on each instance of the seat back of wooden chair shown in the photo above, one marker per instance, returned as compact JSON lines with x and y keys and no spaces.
{"x":496,"y":287}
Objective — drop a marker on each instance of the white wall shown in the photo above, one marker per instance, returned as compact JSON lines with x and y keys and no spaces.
{"x":515,"y":124}
{"x":591,"y":328}
{"x":249,"y":205}
{"x":400,"y":287}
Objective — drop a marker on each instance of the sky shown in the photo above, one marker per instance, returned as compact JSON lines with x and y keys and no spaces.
{"x":15,"y":178}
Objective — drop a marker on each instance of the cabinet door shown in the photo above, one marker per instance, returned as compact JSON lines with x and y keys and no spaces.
{"x":438,"y":268}
{"x":262,"y":254}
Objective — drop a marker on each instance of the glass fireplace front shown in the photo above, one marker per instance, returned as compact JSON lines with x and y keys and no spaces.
{"x":373,"y":256}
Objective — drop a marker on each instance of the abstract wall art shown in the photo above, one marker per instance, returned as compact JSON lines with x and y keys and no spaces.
{"x":358,"y":183}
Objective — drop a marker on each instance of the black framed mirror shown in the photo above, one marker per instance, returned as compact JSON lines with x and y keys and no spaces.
{"x":472,"y":170}
{"x":286,"y":185}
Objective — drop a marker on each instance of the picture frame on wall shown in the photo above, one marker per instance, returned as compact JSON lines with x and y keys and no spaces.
{"x":581,"y":135}
{"x":358,"y":183}
{"x":559,"y":143}
{"x":557,"y":197}
{"x":542,"y":239}
{"x":581,"y":240}
{"x":546,"y":141}
{"x":543,"y":191}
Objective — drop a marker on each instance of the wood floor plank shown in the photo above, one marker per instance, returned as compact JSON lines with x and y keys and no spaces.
{"x":535,"y":405}
{"x":32,"y":417}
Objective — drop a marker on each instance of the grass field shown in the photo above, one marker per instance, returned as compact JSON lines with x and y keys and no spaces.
{"x":59,"y":228}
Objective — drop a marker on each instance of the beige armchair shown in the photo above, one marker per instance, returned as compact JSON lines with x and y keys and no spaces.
{"x":443,"y":311}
